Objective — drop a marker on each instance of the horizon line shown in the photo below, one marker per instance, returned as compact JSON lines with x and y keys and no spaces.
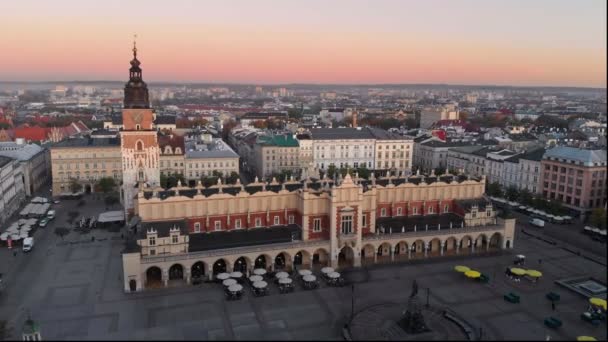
{"x":315,"y":84}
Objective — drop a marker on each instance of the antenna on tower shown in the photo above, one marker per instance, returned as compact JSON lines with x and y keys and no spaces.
{"x":135,"y":45}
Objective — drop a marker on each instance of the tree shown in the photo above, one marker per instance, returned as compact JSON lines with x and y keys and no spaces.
{"x":75,"y":186}
{"x":61,"y":232}
{"x":525,"y":197}
{"x":234,"y":176}
{"x":598,"y":218}
{"x":439,"y":171}
{"x":331,"y":170}
{"x":227,"y":128}
{"x":494,"y":189}
{"x":363,"y":172}
{"x":106,"y":184}
{"x":511,"y":193}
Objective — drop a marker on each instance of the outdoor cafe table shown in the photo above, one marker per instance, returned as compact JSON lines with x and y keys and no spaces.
{"x":236,"y":274}
{"x":259,"y":271}
{"x":282,"y":275}
{"x":235,"y":288}
{"x":334,"y":275}
{"x":255,"y":278}
{"x":285,"y":281}
{"x":229,"y":282}
{"x":223,"y":276}
{"x":309,"y":278}
{"x":326,"y":270}
{"x":304,"y":272}
{"x":260,"y":284}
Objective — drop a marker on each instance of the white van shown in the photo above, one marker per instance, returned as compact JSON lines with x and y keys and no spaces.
{"x":537,"y":222}
{"x":28,"y":244}
{"x":51,"y":214}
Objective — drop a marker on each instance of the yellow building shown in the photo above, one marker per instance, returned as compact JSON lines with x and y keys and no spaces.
{"x":84,"y":160}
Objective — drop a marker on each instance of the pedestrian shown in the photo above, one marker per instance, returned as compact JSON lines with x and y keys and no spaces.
{"x":553,"y":305}
{"x":540,"y":261}
{"x":14,"y":253}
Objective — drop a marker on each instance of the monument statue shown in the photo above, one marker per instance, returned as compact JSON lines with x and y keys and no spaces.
{"x":412,"y":320}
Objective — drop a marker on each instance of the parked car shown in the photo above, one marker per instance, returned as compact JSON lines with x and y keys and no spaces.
{"x":28,"y":244}
{"x":43,"y":222}
{"x":56,"y":201}
{"x":51,"y":214}
{"x":537,"y":222}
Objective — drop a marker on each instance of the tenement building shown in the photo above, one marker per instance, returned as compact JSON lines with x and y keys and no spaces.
{"x":576,"y":177}
{"x":188,"y":233}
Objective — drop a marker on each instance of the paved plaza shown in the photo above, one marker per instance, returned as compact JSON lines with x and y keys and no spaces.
{"x":73,"y":288}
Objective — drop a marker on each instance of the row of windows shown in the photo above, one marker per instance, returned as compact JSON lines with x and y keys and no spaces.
{"x":217,"y":224}
{"x":430,"y":210}
{"x":102,"y":165}
{"x":215,"y":164}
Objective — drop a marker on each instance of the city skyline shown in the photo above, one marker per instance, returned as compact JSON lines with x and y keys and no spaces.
{"x":455,"y":43}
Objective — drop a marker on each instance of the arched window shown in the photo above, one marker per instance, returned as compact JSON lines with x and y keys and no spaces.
{"x":139,"y":145}
{"x":137,"y":127}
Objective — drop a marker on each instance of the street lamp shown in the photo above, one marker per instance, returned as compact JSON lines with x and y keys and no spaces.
{"x":352,"y":301}
{"x":428,"y":291}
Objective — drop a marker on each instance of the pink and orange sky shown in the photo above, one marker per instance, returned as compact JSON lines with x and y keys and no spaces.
{"x":504,"y":42}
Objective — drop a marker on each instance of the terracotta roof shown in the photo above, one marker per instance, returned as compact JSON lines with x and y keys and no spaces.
{"x":32,"y":133}
{"x":171,"y":140}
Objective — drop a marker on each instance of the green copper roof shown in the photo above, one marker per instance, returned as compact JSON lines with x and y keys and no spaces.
{"x":278,"y":140}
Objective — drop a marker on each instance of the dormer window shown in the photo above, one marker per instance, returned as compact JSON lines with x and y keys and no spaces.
{"x":174,"y":238}
{"x":178,"y":150}
{"x":168,"y":150}
{"x":152,"y":241}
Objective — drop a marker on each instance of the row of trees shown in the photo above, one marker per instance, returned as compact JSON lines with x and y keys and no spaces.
{"x":525,"y":197}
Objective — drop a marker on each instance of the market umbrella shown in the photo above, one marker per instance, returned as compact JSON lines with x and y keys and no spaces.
{"x":281,"y":275}
{"x":236,"y":274}
{"x":260,"y":284}
{"x":598,"y":302}
{"x":534,"y":273}
{"x":518,"y":271}
{"x":309,"y":278}
{"x":229,"y":281}
{"x":304,"y":272}
{"x":603,"y":232}
{"x":235,"y":288}
{"x":223,"y":276}
{"x":259,"y":271}
{"x":255,"y":278}
{"x":586,"y":338}
{"x":327,"y":270}
{"x":461,"y":269}
{"x":334,"y":275}
{"x":472,"y":274}
{"x":285,"y":281}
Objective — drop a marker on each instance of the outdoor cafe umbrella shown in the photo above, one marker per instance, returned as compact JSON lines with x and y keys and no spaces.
{"x":259,"y":271}
{"x":598,"y":302}
{"x":15,"y":237}
{"x":23,"y":235}
{"x":255,"y":278}
{"x":3,"y":237}
{"x":534,"y":273}
{"x":461,"y":269}
{"x":587,"y":228}
{"x":327,"y":270}
{"x":235,"y":288}
{"x":285,"y":281}
{"x":282,"y":275}
{"x":304,"y":272}
{"x":518,"y":271}
{"x":603,"y":232}
{"x":223,"y":276}
{"x":260,"y":284}
{"x":309,"y":278}
{"x":228,"y":282}
{"x":236,"y":274}
{"x":595,"y":230}
{"x":334,"y":275}
{"x":472,"y":274}
{"x":586,"y":338}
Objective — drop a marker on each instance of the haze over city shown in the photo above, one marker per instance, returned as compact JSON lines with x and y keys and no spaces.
{"x":520,"y":43}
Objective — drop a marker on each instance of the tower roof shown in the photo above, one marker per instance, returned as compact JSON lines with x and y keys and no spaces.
{"x":136,"y":90}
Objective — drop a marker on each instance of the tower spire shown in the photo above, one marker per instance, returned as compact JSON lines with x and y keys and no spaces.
{"x":135,"y":46}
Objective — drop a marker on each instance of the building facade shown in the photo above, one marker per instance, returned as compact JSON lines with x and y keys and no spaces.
{"x":84,"y":161}
{"x":199,"y":232}
{"x":35,"y":162}
{"x":575,"y":177}
{"x":12,"y":189}
{"x":276,"y":153}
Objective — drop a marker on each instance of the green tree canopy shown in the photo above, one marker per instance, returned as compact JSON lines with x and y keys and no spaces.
{"x":106,"y":184}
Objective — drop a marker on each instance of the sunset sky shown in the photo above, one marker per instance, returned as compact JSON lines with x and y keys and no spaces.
{"x":511,"y":42}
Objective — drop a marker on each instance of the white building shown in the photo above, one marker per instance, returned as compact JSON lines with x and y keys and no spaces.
{"x":12,"y":190}
{"x":430,"y":115}
{"x":35,"y":161}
